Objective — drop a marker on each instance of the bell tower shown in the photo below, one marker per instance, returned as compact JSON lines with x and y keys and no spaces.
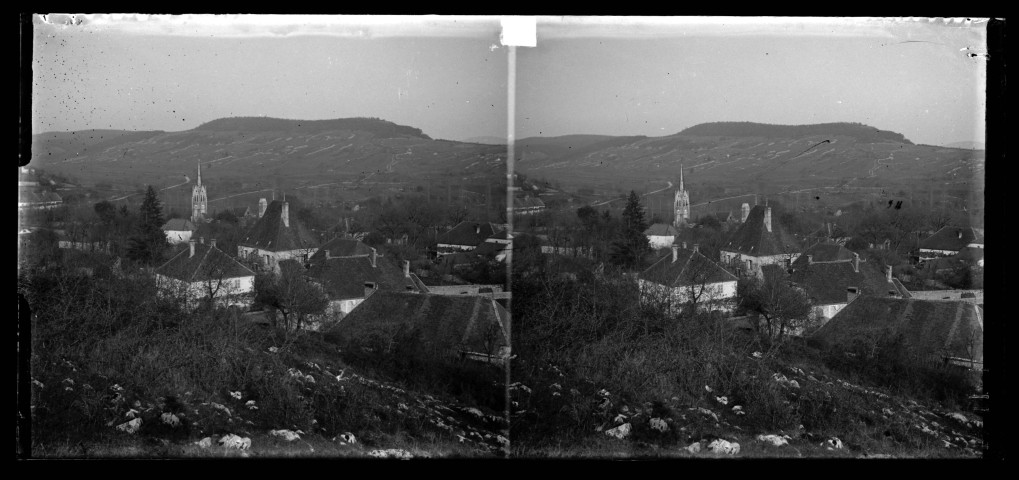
{"x":199,"y":199}
{"x":682,"y":203}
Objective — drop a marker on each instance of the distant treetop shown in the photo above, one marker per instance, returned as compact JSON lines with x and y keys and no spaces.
{"x":377,"y":126}
{"x":861,"y":132}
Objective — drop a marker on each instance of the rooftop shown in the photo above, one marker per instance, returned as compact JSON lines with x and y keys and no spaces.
{"x":269,"y":232}
{"x":468,"y":233}
{"x":689,"y":268}
{"x":208,"y":263}
{"x":753,"y":238}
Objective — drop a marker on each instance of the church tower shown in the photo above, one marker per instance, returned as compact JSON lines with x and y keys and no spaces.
{"x":682,"y":203}
{"x":199,"y":200}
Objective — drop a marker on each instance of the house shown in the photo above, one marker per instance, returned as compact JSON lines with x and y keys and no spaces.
{"x":276,"y":236}
{"x":661,"y":235}
{"x":178,"y":230}
{"x":949,"y":241}
{"x":941,"y":331}
{"x":828,"y":233}
{"x":349,"y":280}
{"x":471,"y":327}
{"x":758,"y":242}
{"x":527,"y":205}
{"x":686,"y":276}
{"x":831,"y":281}
{"x":341,"y":247}
{"x":464,"y":237}
{"x":202,"y":270}
{"x":498,"y":247}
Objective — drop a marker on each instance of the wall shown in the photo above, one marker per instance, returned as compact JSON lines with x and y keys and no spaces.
{"x":274,"y":257}
{"x":233,"y":291}
{"x":178,"y":236}
{"x":715,"y":296}
{"x":661,"y":241}
{"x":728,"y":258}
{"x":469,"y":289}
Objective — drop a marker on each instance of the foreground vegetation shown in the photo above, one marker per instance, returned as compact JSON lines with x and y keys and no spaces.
{"x":600,"y":374}
{"x":117,"y":370}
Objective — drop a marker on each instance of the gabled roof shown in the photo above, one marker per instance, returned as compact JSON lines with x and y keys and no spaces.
{"x":269,"y":233}
{"x":661,"y":230}
{"x":951,"y":239}
{"x":826,"y":283}
{"x":971,"y":254}
{"x":752,"y":238}
{"x":178,"y":225}
{"x":528,"y":202}
{"x":207,"y":263}
{"x":440,"y":322}
{"x":468,"y":233}
{"x":690,"y":268}
{"x":825,"y":252}
{"x":491,"y":249}
{"x":927,"y":327}
{"x":344,"y":278}
{"x":342,"y":247}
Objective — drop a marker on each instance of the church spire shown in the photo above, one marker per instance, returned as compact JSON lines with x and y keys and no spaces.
{"x":681,"y":176}
{"x":199,"y":173}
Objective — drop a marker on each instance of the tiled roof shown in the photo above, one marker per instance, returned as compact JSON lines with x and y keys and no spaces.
{"x":690,"y":268}
{"x":950,"y":239}
{"x":826,"y":283}
{"x":927,"y":327}
{"x":528,"y":202}
{"x":752,"y":238}
{"x":207,"y":263}
{"x":344,"y":278}
{"x":269,"y":233}
{"x":342,"y":247}
{"x":468,"y":233}
{"x":661,"y":230}
{"x":178,"y":225}
{"x":491,"y":249}
{"x":441,"y":322}
{"x":825,"y":252}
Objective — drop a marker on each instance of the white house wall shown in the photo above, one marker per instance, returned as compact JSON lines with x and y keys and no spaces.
{"x":660,"y":241}
{"x":714,"y":296}
{"x":177,"y":236}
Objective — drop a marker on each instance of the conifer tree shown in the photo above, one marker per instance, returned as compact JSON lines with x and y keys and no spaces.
{"x":631,"y":245}
{"x":149,"y":242}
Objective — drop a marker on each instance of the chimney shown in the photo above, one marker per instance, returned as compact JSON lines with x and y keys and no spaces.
{"x":684,"y":245}
{"x":212,"y":242}
{"x":372,"y":257}
{"x":675,"y":252}
{"x":745,"y":211}
{"x":327,"y":253}
{"x":810,"y":259}
{"x":406,"y":268}
{"x":856,"y":262}
{"x":261,"y":207}
{"x":767,"y":218}
{"x":286,"y":214}
{"x":477,"y":229}
{"x":696,"y":248}
{"x":960,"y":234}
{"x":888,"y":273}
{"x":192,"y":242}
{"x":369,"y":288}
{"x":201,"y":240}
{"x":852,"y":293}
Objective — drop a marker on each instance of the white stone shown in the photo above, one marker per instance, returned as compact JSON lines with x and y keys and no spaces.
{"x":131,"y":426}
{"x":170,"y":419}
{"x":694,"y":447}
{"x":205,"y":442}
{"x":286,"y":434}
{"x":724,"y":447}
{"x":775,"y":440}
{"x":233,"y":441}
{"x":348,"y":437}
{"x":738,"y":410}
{"x":833,"y":443}
{"x":723,"y":400}
{"x":236,"y":395}
{"x":619,"y":432}
{"x":659,"y":424}
{"x":391,"y":453}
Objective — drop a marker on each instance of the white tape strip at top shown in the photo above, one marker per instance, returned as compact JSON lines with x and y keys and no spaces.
{"x":519,"y":32}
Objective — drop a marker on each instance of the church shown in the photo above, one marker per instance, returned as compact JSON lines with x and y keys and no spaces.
{"x":663,"y":235}
{"x":199,"y":200}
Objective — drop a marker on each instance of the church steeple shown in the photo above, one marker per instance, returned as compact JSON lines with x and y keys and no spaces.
{"x":682,"y":202}
{"x":680,"y":176}
{"x":199,"y":199}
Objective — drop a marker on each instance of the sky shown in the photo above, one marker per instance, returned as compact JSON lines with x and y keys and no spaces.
{"x":652,"y":77}
{"x":448,"y":75}
{"x":175,"y":73}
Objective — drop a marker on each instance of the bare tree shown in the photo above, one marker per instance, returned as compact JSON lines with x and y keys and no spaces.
{"x":292,"y":295}
{"x":781,"y":307}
